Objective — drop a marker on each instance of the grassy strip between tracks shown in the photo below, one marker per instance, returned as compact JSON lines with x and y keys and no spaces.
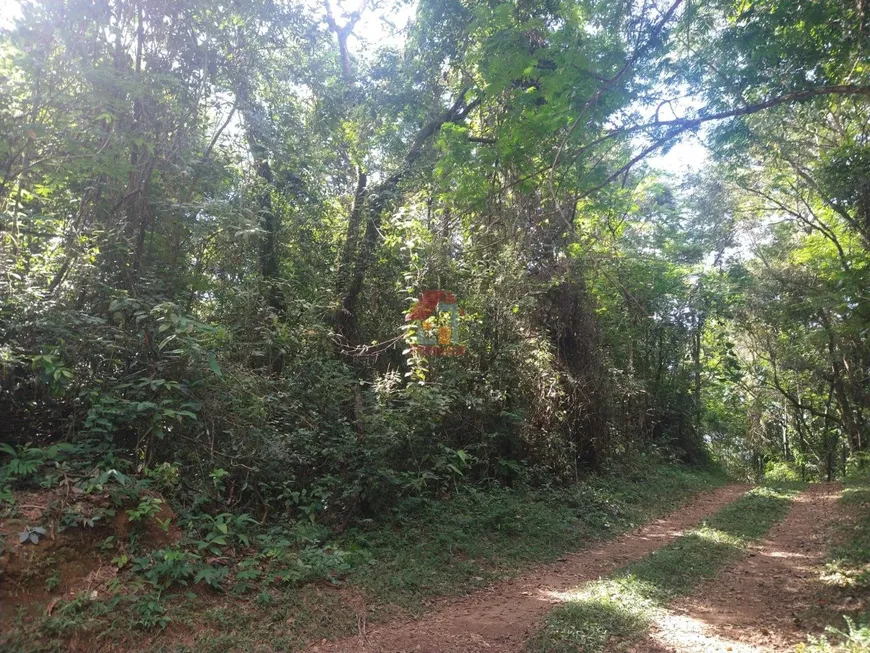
{"x":621,"y":608}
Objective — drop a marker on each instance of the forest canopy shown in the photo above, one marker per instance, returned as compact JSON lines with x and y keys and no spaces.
{"x":216,"y":216}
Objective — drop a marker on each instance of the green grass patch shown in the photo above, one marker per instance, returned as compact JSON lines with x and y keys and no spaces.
{"x":849,"y":567}
{"x":396,"y":564}
{"x":847,"y":574}
{"x":621,"y":608}
{"x":440,"y":548}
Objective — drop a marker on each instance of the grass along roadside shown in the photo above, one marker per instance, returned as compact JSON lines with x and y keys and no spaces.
{"x":847,"y":579}
{"x":479,"y":537}
{"x":621,"y":608}
{"x":422,"y":550}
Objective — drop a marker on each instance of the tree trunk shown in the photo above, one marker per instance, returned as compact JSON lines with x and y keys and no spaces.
{"x":838,"y":381}
{"x":371,"y":204}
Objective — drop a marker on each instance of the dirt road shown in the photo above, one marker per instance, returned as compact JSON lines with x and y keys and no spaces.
{"x":759,"y":604}
{"x":501,"y":618}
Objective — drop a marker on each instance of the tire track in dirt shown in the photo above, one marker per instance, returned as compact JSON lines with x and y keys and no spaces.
{"x":501,"y":618}
{"x":757,"y":604}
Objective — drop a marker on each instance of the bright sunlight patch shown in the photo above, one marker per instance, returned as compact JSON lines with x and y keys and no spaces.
{"x":622,"y":608}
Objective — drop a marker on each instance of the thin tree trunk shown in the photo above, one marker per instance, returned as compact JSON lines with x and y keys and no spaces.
{"x":838,"y":380}
{"x":372,"y":203}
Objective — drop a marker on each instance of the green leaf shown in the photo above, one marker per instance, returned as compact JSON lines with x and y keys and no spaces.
{"x":455,"y":469}
{"x":213,"y":364}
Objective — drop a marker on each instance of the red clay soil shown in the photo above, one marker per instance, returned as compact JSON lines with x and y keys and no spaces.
{"x":501,"y":618}
{"x":72,"y":557}
{"x":761,"y":603}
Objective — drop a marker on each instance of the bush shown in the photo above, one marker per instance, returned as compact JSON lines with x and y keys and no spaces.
{"x":781,"y":472}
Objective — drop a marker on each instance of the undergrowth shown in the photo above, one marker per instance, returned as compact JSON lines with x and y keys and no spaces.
{"x":621,"y":608}
{"x":434,"y":548}
{"x":232,"y":583}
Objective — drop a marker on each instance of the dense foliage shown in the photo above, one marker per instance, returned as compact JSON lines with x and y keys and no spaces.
{"x":214,"y":218}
